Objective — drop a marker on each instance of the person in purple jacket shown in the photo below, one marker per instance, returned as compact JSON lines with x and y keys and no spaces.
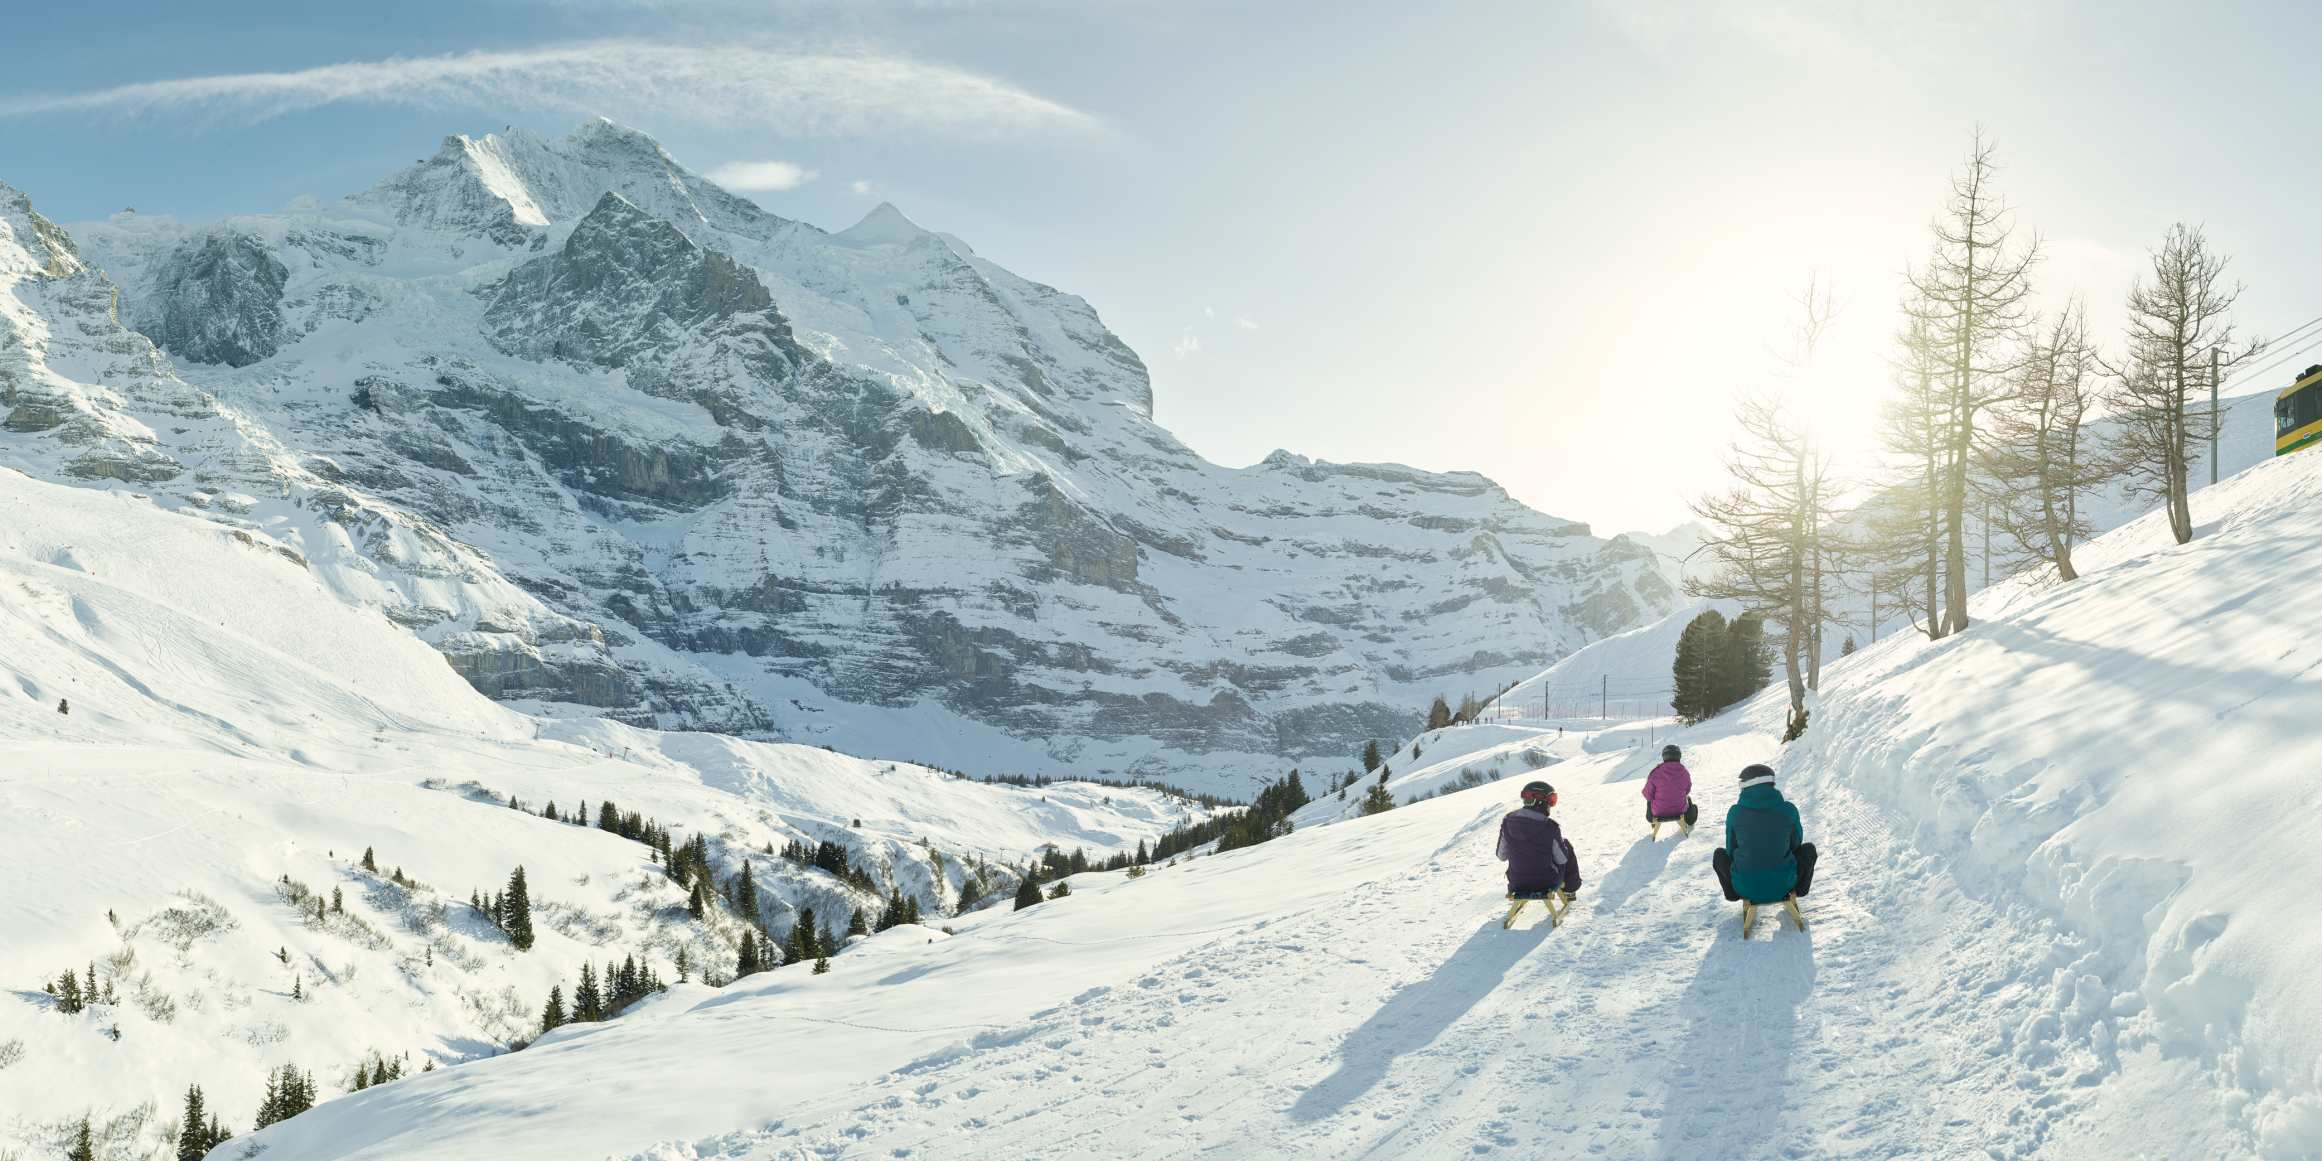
{"x":1669,"y":793}
{"x":1538,"y":857}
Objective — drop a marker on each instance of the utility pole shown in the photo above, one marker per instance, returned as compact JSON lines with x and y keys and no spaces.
{"x":1604,"y":697}
{"x":2214,"y":418}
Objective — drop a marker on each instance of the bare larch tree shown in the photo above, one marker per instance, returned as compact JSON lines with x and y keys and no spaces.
{"x":2177,"y":316}
{"x":2040,"y":461}
{"x":1972,"y":294}
{"x":1764,"y":534}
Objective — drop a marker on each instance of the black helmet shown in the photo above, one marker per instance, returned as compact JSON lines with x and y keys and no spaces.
{"x":1752,"y":775}
{"x":1539,"y":792}
{"x":1670,"y":753}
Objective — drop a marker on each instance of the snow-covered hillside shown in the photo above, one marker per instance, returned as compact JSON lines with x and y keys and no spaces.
{"x":616,"y":440}
{"x":2059,"y":915}
{"x":199,"y":739}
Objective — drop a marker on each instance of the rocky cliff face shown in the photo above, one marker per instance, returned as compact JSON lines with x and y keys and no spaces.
{"x":863,"y":488}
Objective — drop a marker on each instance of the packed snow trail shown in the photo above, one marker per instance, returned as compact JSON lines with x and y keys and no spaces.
{"x":1403,"y":1022}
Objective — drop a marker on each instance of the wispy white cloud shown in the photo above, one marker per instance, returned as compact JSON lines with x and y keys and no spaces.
{"x":761,"y":176}
{"x":1245,"y":322}
{"x":831,"y":94}
{"x":863,"y":187}
{"x":1187,"y":344}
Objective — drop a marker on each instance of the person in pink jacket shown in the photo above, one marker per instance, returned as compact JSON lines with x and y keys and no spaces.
{"x":1669,"y":791}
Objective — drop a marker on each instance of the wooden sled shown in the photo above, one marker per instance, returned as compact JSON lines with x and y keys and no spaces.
{"x":1789,"y":906}
{"x":1557,"y":903}
{"x":1683,"y":828}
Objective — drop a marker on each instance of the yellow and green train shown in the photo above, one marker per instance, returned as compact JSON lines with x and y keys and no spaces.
{"x":2298,"y":413}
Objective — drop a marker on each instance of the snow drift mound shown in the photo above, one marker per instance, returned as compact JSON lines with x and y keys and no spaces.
{"x":2134,"y":756}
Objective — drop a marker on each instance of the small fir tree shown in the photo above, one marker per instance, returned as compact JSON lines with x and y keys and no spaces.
{"x":516,"y":911}
{"x":193,"y":1138}
{"x":1379,"y":801}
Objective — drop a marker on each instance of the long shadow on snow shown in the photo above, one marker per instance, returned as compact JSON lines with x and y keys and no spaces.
{"x":1726,"y":1091}
{"x":1418,"y":1013}
{"x":1642,"y":864}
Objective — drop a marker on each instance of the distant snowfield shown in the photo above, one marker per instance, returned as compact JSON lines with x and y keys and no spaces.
{"x":2060,"y":915}
{"x":233,"y":722}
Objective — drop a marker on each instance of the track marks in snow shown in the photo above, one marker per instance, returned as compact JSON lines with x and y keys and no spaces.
{"x":1403,"y":1022}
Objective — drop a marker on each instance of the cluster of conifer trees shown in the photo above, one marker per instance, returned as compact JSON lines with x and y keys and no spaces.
{"x":509,"y":910}
{"x":1719,"y":663}
{"x":289,"y":1092}
{"x":831,"y":857}
{"x":199,"y":1131}
{"x":1267,"y":817}
{"x":75,"y":993}
{"x":601,"y":997}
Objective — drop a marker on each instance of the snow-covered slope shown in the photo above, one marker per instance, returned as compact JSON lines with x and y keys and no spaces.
{"x":2059,"y":915}
{"x":196,"y":729}
{"x":699,"y":465}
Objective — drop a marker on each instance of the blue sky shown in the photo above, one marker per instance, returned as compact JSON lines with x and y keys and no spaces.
{"x":1546,"y":240}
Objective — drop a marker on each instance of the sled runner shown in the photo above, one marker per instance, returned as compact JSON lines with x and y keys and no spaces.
{"x":1683,"y":827}
{"x":1789,"y":905}
{"x":1684,"y":821}
{"x":1557,"y":903}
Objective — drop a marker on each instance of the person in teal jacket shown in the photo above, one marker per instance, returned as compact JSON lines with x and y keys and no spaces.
{"x":1766,"y":857}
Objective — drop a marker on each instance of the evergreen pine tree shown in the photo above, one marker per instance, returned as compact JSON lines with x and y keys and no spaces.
{"x":1142,"y":856}
{"x":193,"y":1138}
{"x":369,"y":863}
{"x":684,"y":965}
{"x":588,"y":1003}
{"x":1371,"y":756}
{"x":217,"y":1134}
{"x":1748,"y":662}
{"x":746,"y":962}
{"x":1027,"y":893}
{"x":746,"y":894}
{"x":697,"y":901}
{"x":338,"y":902}
{"x":1696,"y":673}
{"x":821,"y":964}
{"x":1061,"y":890}
{"x":516,"y":911}
{"x":1379,"y":801}
{"x":1847,"y":647}
{"x":857,"y":925}
{"x":552,"y":1014}
{"x":84,"y":1146}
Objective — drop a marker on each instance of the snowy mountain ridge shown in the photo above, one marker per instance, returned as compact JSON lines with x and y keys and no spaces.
{"x":651,"y":451}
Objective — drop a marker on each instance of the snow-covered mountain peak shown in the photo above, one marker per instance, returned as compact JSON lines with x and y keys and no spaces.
{"x":721,"y":470}
{"x":30,"y":243}
{"x":883,"y":226}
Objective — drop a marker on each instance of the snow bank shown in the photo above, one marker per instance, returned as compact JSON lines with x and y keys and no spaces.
{"x":2134,"y":756}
